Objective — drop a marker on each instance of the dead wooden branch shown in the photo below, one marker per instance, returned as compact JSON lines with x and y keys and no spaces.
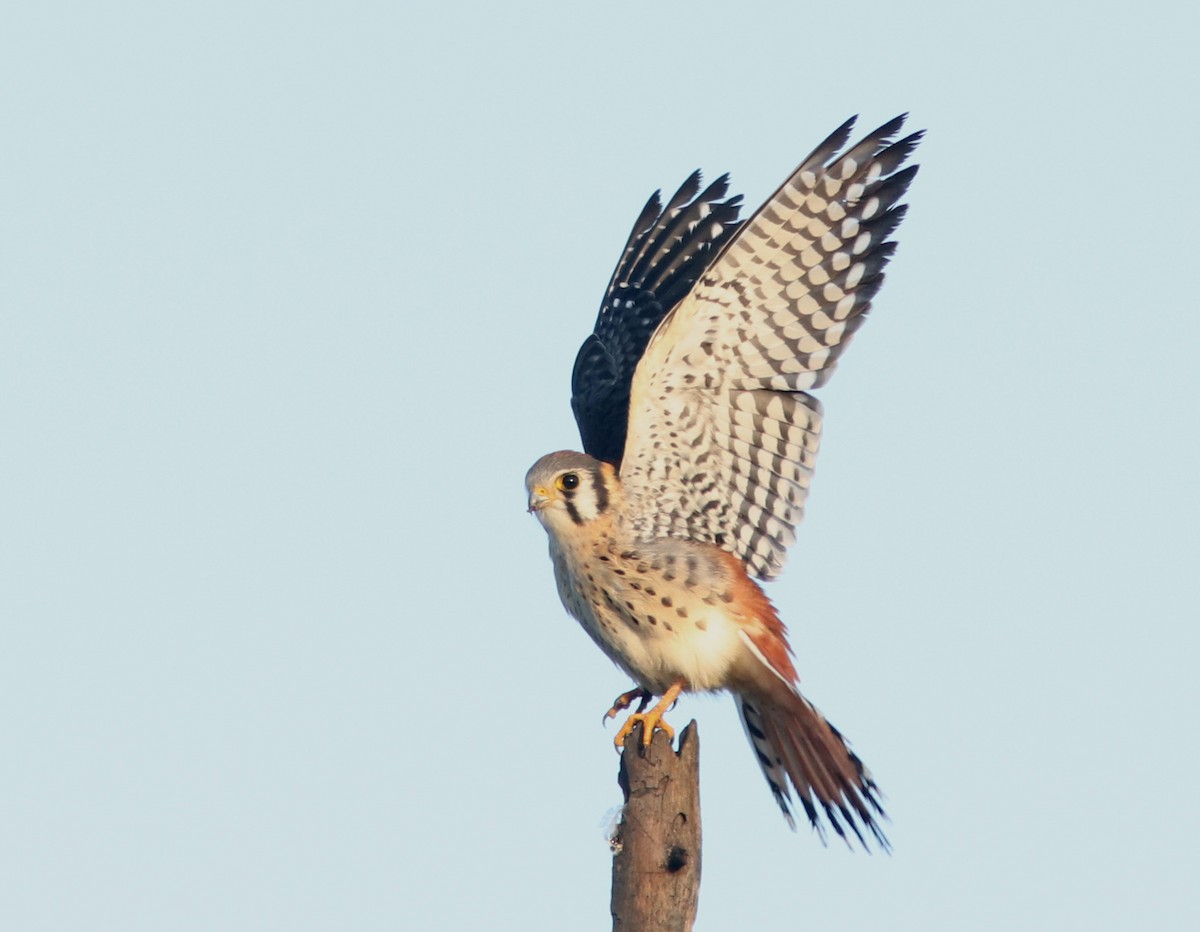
{"x":656,"y":865}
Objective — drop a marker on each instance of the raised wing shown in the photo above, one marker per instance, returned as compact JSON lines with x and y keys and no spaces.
{"x":723,"y":435}
{"x":667,"y":251}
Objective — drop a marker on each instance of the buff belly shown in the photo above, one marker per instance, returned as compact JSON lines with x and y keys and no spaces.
{"x":657,"y":640}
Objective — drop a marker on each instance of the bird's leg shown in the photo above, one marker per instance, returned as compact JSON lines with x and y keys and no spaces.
{"x":625,"y":700}
{"x":652,"y":719}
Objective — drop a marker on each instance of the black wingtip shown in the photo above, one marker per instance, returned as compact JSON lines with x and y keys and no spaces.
{"x":890,"y":128}
{"x":832,"y":144}
{"x":688,"y":190}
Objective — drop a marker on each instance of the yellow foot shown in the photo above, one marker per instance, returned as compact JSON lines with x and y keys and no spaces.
{"x":650,"y":720}
{"x":625,"y":700}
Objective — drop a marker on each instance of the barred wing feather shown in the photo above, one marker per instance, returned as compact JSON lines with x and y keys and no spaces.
{"x":668,"y":249}
{"x":723,"y":434}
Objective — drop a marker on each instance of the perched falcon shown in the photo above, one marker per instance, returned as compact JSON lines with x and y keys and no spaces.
{"x":692,"y":400}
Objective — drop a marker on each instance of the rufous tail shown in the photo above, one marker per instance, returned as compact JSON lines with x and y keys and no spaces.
{"x":795,"y":745}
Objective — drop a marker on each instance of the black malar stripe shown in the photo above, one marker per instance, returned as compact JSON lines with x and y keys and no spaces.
{"x":601,"y":490}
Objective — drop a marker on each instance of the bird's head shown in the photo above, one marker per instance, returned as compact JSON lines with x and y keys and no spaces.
{"x":570,"y":489}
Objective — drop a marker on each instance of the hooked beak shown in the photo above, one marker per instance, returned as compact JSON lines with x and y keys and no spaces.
{"x":539,"y":498}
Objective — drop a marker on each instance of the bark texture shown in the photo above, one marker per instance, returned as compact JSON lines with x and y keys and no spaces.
{"x":656,"y":865}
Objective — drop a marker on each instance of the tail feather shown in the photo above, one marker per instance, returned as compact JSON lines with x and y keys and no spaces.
{"x":799,"y":750}
{"x":770,"y":762}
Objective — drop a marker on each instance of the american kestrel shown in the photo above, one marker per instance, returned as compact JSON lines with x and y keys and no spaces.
{"x":691,"y":397}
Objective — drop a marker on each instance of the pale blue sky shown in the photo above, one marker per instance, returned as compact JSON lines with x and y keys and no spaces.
{"x":289,"y":297}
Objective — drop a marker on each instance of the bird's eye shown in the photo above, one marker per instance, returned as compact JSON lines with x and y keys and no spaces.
{"x":568,"y":481}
